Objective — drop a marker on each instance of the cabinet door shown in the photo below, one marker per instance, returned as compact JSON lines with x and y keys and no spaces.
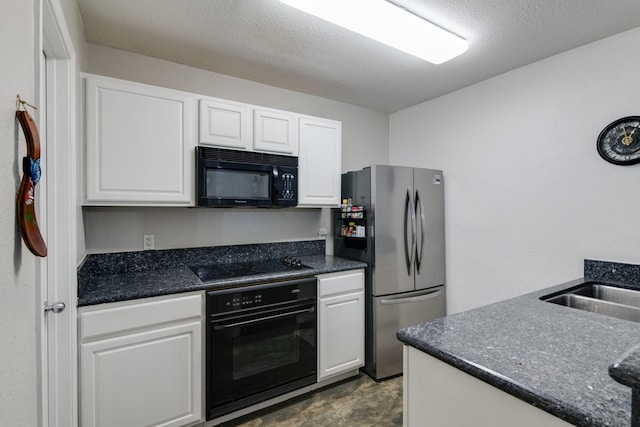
{"x":274,"y":131}
{"x":139,"y":147}
{"x":319,"y":162}
{"x":141,"y":362}
{"x":143,"y":379}
{"x":225,"y":124}
{"x":341,"y":334}
{"x":340,"y":322}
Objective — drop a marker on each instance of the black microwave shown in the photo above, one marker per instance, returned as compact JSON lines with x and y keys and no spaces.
{"x":232,"y":178}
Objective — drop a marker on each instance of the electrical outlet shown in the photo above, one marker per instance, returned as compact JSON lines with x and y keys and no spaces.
{"x":322,"y":232}
{"x":149,"y":241}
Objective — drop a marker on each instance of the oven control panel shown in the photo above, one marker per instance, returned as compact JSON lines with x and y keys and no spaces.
{"x":242,"y":301}
{"x":264,"y":295}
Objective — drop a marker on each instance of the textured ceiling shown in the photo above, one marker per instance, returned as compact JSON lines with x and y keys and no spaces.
{"x":269,"y":42}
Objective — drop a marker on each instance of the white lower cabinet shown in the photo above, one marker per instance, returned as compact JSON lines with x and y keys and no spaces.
{"x":434,"y":392}
{"x":141,"y":362}
{"x":340,"y":322}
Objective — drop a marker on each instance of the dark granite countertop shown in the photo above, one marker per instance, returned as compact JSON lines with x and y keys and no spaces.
{"x":551,"y":356}
{"x":127,"y":276}
{"x":626,"y":370}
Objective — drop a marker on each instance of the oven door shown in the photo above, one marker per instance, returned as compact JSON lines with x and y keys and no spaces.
{"x":261,"y":354}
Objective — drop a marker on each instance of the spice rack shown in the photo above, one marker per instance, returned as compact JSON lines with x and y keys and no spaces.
{"x":352,"y":222}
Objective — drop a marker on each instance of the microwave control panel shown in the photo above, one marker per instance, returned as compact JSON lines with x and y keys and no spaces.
{"x":288,"y":186}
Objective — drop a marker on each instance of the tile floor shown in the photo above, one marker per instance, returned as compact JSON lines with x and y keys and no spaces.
{"x":357,"y":402}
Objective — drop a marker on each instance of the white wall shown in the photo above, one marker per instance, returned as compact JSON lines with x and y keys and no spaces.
{"x":19,"y":288}
{"x":364,"y":141}
{"x":18,"y":394}
{"x":527,"y":196}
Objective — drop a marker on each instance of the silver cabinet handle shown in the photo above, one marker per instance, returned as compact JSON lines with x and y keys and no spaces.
{"x":411,"y":299}
{"x":57,"y":307}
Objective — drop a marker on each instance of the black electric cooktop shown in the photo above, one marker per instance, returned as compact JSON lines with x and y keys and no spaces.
{"x":207,"y":273}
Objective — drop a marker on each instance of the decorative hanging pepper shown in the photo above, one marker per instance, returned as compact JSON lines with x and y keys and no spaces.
{"x":25,"y":206}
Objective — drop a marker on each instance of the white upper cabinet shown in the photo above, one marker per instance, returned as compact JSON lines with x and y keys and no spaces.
{"x":226,"y":124}
{"x":274,"y":131}
{"x":139,"y":144}
{"x":319,"y":162}
{"x":234,"y":125}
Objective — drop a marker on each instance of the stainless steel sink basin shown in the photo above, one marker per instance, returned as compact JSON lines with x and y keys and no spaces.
{"x":610,"y":293}
{"x":603,"y":299}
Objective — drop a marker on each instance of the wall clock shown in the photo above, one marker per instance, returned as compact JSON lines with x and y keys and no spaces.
{"x":619,"y":142}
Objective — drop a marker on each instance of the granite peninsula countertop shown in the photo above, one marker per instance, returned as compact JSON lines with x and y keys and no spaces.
{"x":126,"y":276}
{"x":554,"y":357}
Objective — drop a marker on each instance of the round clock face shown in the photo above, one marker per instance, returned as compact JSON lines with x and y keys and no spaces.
{"x":619,"y":143}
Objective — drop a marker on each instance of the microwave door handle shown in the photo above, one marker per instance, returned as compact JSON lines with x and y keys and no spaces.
{"x":276,"y":190}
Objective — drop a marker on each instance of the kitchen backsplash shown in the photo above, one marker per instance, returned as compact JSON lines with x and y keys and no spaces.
{"x":121,"y":229}
{"x":611,"y":272}
{"x":130,"y":262}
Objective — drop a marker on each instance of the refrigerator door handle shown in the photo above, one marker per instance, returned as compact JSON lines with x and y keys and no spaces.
{"x":427,"y":296}
{"x":420,"y":244}
{"x":414,"y":230}
{"x":409,"y":251}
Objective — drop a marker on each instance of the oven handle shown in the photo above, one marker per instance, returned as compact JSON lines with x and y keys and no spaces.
{"x":262,"y":319}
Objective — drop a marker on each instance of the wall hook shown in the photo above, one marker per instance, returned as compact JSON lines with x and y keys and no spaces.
{"x":21,"y":103}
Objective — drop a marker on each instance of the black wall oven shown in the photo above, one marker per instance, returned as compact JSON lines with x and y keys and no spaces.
{"x":232,"y":178}
{"x":261,"y":343}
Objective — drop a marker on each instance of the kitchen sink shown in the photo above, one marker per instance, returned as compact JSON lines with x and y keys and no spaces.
{"x":598,"y":298}
{"x":610,"y":293}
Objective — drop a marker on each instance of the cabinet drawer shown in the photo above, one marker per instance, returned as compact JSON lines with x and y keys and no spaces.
{"x":139,"y":314}
{"x":340,"y":282}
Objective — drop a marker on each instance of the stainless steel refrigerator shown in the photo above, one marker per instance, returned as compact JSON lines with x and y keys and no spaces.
{"x":403,"y":245}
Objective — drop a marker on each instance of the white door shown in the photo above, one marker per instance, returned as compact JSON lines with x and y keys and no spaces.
{"x":57,"y":215}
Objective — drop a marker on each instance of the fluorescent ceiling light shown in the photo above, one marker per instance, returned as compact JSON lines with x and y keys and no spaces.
{"x":388,"y":24}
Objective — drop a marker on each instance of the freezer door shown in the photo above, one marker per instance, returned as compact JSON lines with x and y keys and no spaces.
{"x":393,"y":214}
{"x":429,"y":205}
{"x":395,"y":312}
